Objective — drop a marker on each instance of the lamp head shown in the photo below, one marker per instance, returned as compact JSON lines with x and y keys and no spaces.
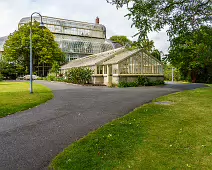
{"x":42,"y":25}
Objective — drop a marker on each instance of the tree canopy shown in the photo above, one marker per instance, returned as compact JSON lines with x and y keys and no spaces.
{"x":45,"y":49}
{"x":10,"y":70}
{"x":149,"y":46}
{"x":180,"y":15}
{"x":123,"y":40}
{"x":192,"y":54}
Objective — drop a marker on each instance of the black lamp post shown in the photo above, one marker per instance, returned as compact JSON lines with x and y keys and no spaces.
{"x":42,"y":26}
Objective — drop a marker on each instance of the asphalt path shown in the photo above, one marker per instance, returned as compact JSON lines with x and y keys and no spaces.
{"x":29,"y":140}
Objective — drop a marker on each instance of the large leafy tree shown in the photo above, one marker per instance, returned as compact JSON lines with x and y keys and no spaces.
{"x":180,"y":15}
{"x":10,"y":70}
{"x":149,"y":46}
{"x":192,"y":54}
{"x":123,"y":40}
{"x":45,"y":49}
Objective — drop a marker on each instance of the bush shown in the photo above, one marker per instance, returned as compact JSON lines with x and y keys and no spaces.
{"x":141,"y":81}
{"x":79,"y":75}
{"x":128,"y":84}
{"x":60,"y":79}
{"x":40,"y":78}
{"x":51,"y":77}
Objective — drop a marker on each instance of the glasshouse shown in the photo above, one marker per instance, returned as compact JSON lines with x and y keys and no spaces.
{"x":119,"y":65}
{"x":77,"y":39}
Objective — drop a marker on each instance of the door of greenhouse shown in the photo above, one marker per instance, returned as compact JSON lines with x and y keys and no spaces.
{"x":109,"y":75}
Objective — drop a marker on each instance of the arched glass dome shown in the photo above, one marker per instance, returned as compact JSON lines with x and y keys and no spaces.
{"x":77,"y":39}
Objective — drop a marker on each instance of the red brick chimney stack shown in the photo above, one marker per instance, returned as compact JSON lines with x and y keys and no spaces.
{"x":97,"y":20}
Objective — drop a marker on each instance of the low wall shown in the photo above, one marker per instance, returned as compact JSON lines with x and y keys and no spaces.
{"x":97,"y":79}
{"x":132,"y":78}
{"x":104,"y":79}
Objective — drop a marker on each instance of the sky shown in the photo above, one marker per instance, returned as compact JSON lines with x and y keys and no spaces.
{"x":81,"y":10}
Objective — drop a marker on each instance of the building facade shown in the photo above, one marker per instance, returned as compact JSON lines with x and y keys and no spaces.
{"x":76,"y":39}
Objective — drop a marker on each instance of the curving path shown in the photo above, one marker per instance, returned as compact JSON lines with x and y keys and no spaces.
{"x":29,"y":140}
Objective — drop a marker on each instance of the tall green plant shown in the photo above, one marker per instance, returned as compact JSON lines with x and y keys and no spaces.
{"x":79,"y":75}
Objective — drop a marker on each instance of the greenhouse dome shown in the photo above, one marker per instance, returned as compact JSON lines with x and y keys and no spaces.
{"x":77,"y":39}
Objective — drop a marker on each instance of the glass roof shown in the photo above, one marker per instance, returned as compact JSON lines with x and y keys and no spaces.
{"x":65,"y":23}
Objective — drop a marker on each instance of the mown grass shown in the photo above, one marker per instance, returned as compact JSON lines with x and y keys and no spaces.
{"x":15,"y":97}
{"x":177,"y":136}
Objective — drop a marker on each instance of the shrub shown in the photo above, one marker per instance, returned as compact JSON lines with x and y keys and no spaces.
{"x":60,"y":79}
{"x":128,"y":84}
{"x":51,"y":77}
{"x":40,"y":78}
{"x":143,"y":81}
{"x":122,"y":84}
{"x":79,"y":75}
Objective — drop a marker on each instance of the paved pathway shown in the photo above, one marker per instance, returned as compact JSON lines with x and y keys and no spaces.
{"x":29,"y":140}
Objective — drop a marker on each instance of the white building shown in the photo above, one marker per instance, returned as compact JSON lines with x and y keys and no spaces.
{"x":119,"y":65}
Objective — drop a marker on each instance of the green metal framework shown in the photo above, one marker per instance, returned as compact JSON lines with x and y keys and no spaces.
{"x":77,"y":39}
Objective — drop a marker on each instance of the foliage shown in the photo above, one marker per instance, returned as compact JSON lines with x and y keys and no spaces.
{"x":151,"y":137}
{"x":15,"y":97}
{"x":55,"y":68}
{"x":180,"y":15}
{"x":10,"y":70}
{"x":149,"y":47}
{"x":79,"y":75}
{"x":192,"y":54}
{"x":157,"y":54}
{"x":51,"y":77}
{"x":127,"y":84}
{"x":141,"y":81}
{"x":45,"y":49}
{"x":123,"y":40}
{"x":156,"y":83}
{"x":168,"y":73}
{"x":1,"y":77}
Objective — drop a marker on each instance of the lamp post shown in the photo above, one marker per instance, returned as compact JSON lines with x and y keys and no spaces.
{"x":41,"y":25}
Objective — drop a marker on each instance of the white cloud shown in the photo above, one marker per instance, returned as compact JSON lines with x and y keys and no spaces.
{"x":82,"y":10}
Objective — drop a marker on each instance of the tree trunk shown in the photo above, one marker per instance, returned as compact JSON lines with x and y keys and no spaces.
{"x":193,"y":77}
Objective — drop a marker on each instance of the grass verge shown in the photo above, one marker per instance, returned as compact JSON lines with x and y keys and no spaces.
{"x":15,"y":97}
{"x":177,"y":136}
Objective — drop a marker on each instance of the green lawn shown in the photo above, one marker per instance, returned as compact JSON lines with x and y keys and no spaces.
{"x":15,"y":97}
{"x":161,"y":137}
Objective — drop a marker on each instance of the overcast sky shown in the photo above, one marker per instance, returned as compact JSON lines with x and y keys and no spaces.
{"x":81,"y":10}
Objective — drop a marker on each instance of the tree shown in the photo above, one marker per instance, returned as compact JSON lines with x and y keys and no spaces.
{"x":168,"y":72}
{"x":148,"y":46}
{"x":45,"y":50}
{"x":55,"y":68}
{"x":157,"y":54}
{"x":123,"y":40}
{"x":10,"y":70}
{"x":192,"y":54}
{"x":180,"y":15}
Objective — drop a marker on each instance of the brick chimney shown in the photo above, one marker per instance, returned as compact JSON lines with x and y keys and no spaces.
{"x":97,"y":20}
